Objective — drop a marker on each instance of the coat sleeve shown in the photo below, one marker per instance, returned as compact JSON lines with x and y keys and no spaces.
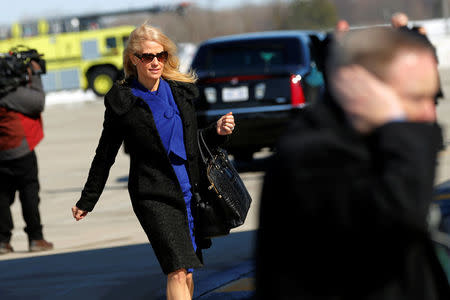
{"x":403,"y":175}
{"x":105,"y":154}
{"x":341,"y":188}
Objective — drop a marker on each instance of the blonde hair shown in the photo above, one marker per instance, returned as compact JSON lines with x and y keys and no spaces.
{"x":146,"y":32}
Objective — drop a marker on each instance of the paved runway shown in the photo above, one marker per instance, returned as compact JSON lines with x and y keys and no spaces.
{"x":126,"y":272}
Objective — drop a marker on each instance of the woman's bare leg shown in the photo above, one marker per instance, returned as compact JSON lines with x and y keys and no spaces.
{"x":190,"y":284}
{"x":177,"y":287}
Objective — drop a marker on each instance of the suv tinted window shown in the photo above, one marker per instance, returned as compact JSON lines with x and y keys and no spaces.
{"x":253,"y":54}
{"x":239,"y":57}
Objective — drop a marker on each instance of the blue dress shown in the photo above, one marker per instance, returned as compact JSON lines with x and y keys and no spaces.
{"x":170,"y":128}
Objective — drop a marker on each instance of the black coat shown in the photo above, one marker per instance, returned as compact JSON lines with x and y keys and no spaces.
{"x":344,"y":216}
{"x":154,"y":190}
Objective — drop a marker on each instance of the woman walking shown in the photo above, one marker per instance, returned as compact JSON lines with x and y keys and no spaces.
{"x":152,"y":111}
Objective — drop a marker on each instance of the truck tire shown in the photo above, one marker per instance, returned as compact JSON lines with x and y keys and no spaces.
{"x":101,"y":80}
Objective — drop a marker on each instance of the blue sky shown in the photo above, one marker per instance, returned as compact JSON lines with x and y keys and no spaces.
{"x":22,"y":9}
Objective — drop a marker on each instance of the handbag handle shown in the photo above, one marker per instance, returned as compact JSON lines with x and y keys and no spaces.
{"x":201,"y":143}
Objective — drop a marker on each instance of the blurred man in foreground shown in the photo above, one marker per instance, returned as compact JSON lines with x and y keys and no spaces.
{"x":345,"y":202}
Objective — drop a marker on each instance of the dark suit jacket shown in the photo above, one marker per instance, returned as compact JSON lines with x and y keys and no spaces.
{"x":153,"y":186}
{"x":344,"y":216}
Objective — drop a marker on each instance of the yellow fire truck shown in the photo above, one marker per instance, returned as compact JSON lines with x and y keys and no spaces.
{"x":80,"y":52}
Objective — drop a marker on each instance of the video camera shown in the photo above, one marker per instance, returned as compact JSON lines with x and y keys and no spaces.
{"x":14,"y":67}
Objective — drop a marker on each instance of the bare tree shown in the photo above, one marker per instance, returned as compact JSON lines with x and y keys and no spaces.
{"x":198,"y":24}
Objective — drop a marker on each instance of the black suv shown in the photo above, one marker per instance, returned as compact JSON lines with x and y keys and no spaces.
{"x":262,"y":78}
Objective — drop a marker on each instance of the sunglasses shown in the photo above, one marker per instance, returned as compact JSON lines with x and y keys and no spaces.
{"x":149,"y":57}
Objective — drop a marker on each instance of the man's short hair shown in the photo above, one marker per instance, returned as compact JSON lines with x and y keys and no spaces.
{"x":374,"y":48}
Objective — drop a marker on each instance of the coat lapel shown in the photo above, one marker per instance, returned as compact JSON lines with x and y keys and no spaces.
{"x":184,"y":97}
{"x":182,"y":104}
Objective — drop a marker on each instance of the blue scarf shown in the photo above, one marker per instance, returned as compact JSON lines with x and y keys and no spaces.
{"x":166,"y":116}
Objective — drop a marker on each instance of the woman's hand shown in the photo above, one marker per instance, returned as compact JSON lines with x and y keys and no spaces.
{"x":225,"y":125}
{"x":78,"y":214}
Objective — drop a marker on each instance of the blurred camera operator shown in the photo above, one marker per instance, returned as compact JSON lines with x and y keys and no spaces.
{"x":20,"y":131}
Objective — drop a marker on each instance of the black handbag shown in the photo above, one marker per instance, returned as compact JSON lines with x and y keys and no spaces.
{"x":224,"y":203}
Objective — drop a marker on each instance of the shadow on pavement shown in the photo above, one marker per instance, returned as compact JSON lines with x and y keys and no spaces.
{"x":129,"y":272}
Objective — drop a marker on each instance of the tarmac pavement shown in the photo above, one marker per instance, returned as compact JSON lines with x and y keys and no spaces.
{"x":126,"y":272}
{"x":107,"y":255}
